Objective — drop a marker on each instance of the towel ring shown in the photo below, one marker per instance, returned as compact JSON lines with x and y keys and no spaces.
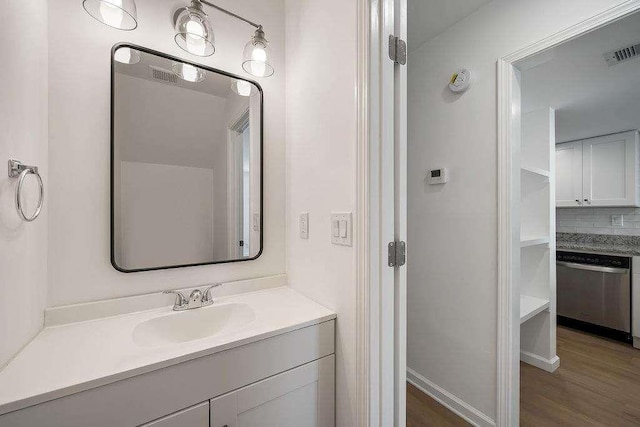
{"x":20,"y":171}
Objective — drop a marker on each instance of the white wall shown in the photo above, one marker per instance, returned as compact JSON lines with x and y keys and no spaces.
{"x":23,"y":120}
{"x":321,"y":140}
{"x":150,"y":197}
{"x":452,"y":281}
{"x":79,"y":105}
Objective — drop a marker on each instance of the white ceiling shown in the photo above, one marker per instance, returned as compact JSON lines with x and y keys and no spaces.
{"x":590,"y":98}
{"x":428,"y":18}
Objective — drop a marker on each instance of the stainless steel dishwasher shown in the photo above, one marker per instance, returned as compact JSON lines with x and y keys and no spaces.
{"x":594,"y":293}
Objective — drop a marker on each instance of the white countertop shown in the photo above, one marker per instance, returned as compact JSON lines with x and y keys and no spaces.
{"x":74,"y":357}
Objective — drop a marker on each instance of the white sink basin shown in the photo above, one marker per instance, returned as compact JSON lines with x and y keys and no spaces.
{"x":190,"y":325}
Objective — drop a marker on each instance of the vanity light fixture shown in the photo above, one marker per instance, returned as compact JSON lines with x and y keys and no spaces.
{"x":120,"y":14}
{"x":256,"y":56}
{"x":242,"y":87}
{"x":194,"y":33}
{"x":188,"y":72}
{"x":126,"y":55}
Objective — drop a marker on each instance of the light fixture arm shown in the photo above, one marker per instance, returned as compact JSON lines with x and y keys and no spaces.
{"x":231,"y":14}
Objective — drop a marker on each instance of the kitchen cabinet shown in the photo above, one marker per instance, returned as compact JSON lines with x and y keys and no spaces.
{"x":569,"y":174}
{"x":196,"y":416}
{"x":601,"y":171}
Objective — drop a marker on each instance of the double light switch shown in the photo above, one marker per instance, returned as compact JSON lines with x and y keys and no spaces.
{"x":341,"y":229}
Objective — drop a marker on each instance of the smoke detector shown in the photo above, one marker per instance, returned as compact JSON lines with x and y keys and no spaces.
{"x":621,"y":55}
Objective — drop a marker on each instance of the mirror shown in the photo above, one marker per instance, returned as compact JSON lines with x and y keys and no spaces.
{"x":186,"y":163}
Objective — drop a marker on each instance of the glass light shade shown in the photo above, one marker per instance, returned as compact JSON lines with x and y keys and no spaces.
{"x":256,"y":59}
{"x":120,"y":14}
{"x":126,"y":55}
{"x":188,"y":72}
{"x":193,"y":30}
{"x":243,"y":87}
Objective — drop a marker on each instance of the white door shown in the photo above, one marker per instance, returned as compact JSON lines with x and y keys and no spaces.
{"x":609,"y":170}
{"x":569,"y":174}
{"x":301,"y":397}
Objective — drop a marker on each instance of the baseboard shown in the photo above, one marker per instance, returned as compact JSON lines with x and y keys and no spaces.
{"x":448,"y":400}
{"x":549,"y":365}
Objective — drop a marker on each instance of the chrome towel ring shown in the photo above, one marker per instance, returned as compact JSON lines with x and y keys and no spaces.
{"x":20,"y":171}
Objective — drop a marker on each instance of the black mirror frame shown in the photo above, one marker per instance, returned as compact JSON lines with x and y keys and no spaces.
{"x":112,"y":178}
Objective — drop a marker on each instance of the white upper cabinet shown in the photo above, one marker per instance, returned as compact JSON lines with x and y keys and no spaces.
{"x":610,"y":170}
{"x":600,"y":171}
{"x":569,"y":174}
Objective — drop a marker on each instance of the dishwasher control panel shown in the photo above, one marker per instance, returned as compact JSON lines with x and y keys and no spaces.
{"x":594,"y":259}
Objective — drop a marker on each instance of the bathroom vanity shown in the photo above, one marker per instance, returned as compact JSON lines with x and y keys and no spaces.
{"x":268,"y":361}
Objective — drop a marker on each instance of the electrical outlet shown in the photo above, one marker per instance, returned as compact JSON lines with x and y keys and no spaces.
{"x":617,"y":221}
{"x":304,"y":225}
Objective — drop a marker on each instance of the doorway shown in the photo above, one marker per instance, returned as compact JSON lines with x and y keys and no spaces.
{"x":569,"y":164}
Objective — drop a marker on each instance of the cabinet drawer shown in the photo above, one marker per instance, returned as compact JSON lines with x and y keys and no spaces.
{"x":196,"y":416}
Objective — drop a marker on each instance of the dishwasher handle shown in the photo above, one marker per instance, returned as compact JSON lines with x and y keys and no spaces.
{"x":588,"y":267}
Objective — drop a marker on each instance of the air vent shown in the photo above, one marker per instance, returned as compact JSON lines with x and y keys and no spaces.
{"x":621,"y":55}
{"x":164,"y":75}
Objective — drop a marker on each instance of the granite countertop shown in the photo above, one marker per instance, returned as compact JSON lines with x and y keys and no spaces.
{"x":597,"y":243}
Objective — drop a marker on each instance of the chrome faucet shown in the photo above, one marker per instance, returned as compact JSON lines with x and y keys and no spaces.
{"x":197,"y":298}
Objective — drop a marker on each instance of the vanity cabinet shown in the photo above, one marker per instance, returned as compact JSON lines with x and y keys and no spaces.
{"x":601,"y":171}
{"x":279,"y":380}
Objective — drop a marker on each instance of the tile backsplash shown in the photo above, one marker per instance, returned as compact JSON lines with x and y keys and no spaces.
{"x":598,"y":221}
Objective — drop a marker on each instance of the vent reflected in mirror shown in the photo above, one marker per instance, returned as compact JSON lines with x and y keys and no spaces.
{"x":186,"y":169}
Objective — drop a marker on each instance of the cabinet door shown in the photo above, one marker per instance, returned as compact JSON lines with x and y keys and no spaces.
{"x":195,"y":416}
{"x":569,"y":174}
{"x":610,"y":170}
{"x":301,"y":397}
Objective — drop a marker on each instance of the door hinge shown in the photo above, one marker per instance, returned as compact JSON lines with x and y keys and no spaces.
{"x":397,"y":50}
{"x":397,"y":254}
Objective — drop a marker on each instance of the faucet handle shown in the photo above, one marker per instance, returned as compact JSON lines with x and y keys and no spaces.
{"x":181,"y":301}
{"x":206,"y":297}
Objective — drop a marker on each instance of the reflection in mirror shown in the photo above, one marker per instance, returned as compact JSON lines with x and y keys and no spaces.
{"x":186,"y":166}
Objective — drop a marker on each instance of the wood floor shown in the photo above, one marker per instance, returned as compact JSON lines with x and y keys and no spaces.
{"x":424,"y":411}
{"x":597,"y":384}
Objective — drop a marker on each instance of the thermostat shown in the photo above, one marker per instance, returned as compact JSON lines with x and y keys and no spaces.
{"x":437,"y":176}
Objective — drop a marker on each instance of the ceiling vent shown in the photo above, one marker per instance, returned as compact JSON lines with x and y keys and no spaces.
{"x":164,"y":75}
{"x":621,"y":55}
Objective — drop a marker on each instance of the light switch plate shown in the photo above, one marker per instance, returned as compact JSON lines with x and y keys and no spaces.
{"x":304,"y":225}
{"x":341,"y":228}
{"x":616,"y":220}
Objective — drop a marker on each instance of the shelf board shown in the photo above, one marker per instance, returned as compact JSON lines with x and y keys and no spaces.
{"x":530,"y":306}
{"x":536,"y":171}
{"x":526,"y":242}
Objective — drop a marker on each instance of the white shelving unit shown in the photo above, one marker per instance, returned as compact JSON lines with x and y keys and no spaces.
{"x":534,"y":241}
{"x":530,"y":306}
{"x":537,"y":240}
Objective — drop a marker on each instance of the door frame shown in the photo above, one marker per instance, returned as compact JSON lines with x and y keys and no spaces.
{"x":508,"y":349}
{"x":380,"y":364}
